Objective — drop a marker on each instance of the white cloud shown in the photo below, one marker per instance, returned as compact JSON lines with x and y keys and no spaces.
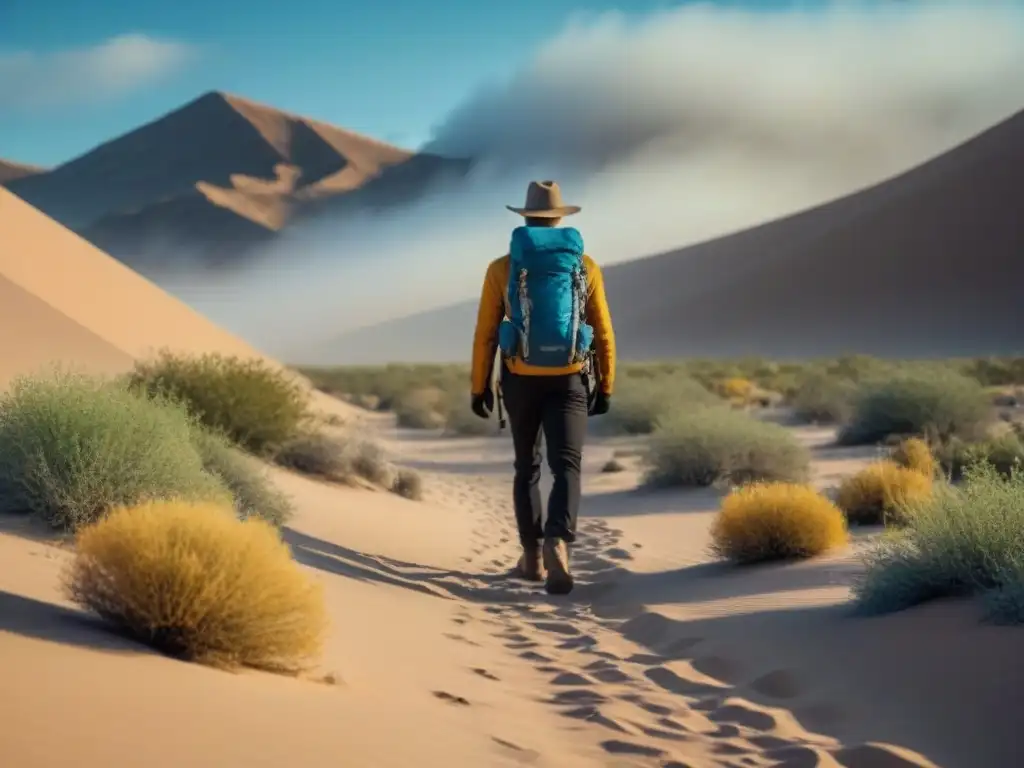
{"x":104,"y":71}
{"x":681,"y":126}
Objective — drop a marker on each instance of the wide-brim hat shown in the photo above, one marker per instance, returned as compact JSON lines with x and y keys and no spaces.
{"x":544,"y":201}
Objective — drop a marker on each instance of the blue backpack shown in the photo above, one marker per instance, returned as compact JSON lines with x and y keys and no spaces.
{"x":547,"y":299}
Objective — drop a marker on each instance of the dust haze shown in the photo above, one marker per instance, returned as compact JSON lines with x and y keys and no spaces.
{"x":668,"y":130}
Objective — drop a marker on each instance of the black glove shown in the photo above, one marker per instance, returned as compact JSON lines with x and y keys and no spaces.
{"x":483,"y":403}
{"x":602,"y":401}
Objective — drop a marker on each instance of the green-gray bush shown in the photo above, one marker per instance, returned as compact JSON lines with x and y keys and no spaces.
{"x":936,"y":403}
{"x":339,"y":458}
{"x":255,"y":405}
{"x":423,"y":408}
{"x":1004,"y":452}
{"x":73,"y":447}
{"x":640,"y":403}
{"x":964,"y":540}
{"x":716,"y":444}
{"x":823,"y":398}
{"x":254,"y":493}
{"x":408,"y":484}
{"x":460,"y":421}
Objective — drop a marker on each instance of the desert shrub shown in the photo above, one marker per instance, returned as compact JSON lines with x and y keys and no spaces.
{"x":73,"y":447}
{"x":423,"y":408}
{"x":715,"y":444}
{"x":338,"y":458}
{"x":736,"y":389}
{"x":914,"y":453}
{"x":962,"y":540}
{"x":882,"y":492}
{"x":370,"y":462}
{"x":194,"y":582}
{"x":1004,"y":452}
{"x":407,"y":484}
{"x":938,"y":403}
{"x":460,"y":421}
{"x":257,"y":406}
{"x":824,"y":399}
{"x":776,"y":521}
{"x":386,"y":384}
{"x":640,"y":403}
{"x":252,"y":490}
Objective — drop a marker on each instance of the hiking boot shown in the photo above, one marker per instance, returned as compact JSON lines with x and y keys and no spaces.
{"x":530,"y":565}
{"x":556,"y":562}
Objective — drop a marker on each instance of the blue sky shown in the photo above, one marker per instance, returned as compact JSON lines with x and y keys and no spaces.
{"x":390,"y":68}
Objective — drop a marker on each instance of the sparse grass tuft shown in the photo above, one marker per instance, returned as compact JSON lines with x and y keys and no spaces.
{"x":776,"y":521}
{"x":338,"y":458}
{"x":421,"y":409}
{"x":613,"y":465}
{"x":961,"y":540}
{"x":932,"y":402}
{"x":73,"y":447}
{"x":712,"y":445}
{"x":254,"y":493}
{"x":881,"y":493}
{"x":642,"y":403}
{"x":196,"y":583}
{"x":252,"y":403}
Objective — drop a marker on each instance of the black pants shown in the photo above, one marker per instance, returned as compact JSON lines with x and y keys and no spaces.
{"x":555,"y":407}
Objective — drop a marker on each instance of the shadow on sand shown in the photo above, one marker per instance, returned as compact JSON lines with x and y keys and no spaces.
{"x":37,"y":619}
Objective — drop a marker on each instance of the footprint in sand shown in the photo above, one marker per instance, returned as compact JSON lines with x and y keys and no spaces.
{"x":718,"y":667}
{"x":667,"y":679}
{"x":616,"y":747}
{"x":570,"y":678}
{"x":646,"y":705}
{"x":537,"y":658}
{"x":517,"y":753}
{"x":578,"y":696}
{"x":556,"y":627}
{"x":876,"y":755}
{"x":778,"y":684}
{"x":593,"y":715}
{"x":451,"y":698}
{"x":745,"y":715}
{"x":485,"y":674}
{"x":461,"y":639}
{"x":618,"y":553}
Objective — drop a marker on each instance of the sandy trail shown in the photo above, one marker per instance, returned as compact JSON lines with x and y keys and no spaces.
{"x":659,"y":659}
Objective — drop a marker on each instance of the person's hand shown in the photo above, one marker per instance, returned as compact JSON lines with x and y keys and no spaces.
{"x":602,"y":401}
{"x":483,"y":404}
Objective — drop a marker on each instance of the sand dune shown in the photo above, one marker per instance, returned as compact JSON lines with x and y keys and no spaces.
{"x":11,"y":171}
{"x":660,"y":659}
{"x":63,"y":300}
{"x":927,"y":263}
{"x":215,"y":178}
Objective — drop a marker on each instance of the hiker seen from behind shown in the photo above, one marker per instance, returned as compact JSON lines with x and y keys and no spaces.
{"x":543,"y":311}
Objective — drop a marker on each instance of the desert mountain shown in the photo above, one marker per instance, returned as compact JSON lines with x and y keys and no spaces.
{"x":62,"y":299}
{"x":930,"y":262}
{"x":10,"y":171}
{"x":214,"y":178}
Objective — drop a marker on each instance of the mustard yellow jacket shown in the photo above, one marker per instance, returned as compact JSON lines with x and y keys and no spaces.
{"x":493,"y":310}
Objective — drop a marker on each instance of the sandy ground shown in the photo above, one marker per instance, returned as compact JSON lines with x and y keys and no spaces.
{"x":660,"y":658}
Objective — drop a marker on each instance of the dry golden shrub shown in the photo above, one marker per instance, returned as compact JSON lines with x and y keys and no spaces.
{"x":882,"y":492}
{"x":915,"y":454}
{"x":197,"y":583}
{"x":776,"y":521}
